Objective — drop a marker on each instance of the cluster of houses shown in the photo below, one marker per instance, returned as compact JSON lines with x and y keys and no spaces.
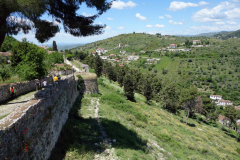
{"x":219,"y":101}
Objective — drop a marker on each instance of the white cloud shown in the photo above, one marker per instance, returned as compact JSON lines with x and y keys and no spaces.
{"x":175,"y":23}
{"x":231,"y":22}
{"x":121,"y":27}
{"x":220,"y":23}
{"x":121,"y":5}
{"x":108,"y":28}
{"x":201,"y":29}
{"x":177,"y":5}
{"x":159,"y":25}
{"x":86,"y":15}
{"x":149,"y":26}
{"x":110,"y":19}
{"x":168,"y":16}
{"x":99,"y":22}
{"x":161,"y":17}
{"x":141,"y":17}
{"x":223,"y":11}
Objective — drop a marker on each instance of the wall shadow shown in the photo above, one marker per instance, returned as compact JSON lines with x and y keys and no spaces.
{"x":80,"y":135}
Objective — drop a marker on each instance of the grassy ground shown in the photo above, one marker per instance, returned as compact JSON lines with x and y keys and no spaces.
{"x":141,"y":131}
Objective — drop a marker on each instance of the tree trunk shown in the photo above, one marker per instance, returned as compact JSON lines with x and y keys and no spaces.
{"x":187,"y":117}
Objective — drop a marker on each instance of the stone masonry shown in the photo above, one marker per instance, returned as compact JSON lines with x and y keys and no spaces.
{"x":31,"y":131}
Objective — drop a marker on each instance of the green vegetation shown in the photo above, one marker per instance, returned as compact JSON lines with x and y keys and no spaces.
{"x":141,"y":131}
{"x":8,"y":43}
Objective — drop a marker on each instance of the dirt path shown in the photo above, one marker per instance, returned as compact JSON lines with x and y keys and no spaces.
{"x":108,"y":153}
{"x":10,"y":106}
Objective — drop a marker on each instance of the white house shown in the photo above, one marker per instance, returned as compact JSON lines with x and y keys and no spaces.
{"x":120,"y":45}
{"x":196,"y":41}
{"x":150,"y":60}
{"x":100,"y":50}
{"x":104,"y":58}
{"x":172,"y":46}
{"x":215,"y":97}
{"x":122,"y":52}
{"x":223,"y":102}
{"x":133,"y":58}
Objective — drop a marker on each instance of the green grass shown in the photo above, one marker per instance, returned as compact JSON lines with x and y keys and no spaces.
{"x":153,"y":134}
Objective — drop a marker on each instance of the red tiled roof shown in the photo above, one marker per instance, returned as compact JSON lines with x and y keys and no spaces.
{"x":237,"y":107}
{"x":93,"y":52}
{"x":221,"y":117}
{"x":121,"y":65}
{"x":172,"y":44}
{"x":5,"y":53}
{"x":196,"y":40}
{"x":59,"y":65}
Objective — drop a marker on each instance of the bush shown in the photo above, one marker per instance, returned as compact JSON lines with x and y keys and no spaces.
{"x":80,"y":82}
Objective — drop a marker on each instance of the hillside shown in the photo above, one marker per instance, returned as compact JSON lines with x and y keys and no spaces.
{"x":227,"y":35}
{"x":135,"y":130}
{"x":8,"y":43}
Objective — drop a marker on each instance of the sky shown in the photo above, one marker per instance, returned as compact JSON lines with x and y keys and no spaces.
{"x":155,"y":16}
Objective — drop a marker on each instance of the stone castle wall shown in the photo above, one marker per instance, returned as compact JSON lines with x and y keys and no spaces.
{"x":90,"y":83}
{"x":31,"y":131}
{"x":21,"y":88}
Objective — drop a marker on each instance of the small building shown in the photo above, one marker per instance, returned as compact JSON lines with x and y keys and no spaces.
{"x":93,"y":53}
{"x":172,"y":46}
{"x":104,"y":58}
{"x":215,"y":97}
{"x":121,"y":65}
{"x":133,"y":58}
{"x":100,"y":50}
{"x":196,"y":42}
{"x":5,"y":54}
{"x":133,"y":53}
{"x":120,"y":45}
{"x":117,"y":60}
{"x":150,"y":60}
{"x":49,"y":52}
{"x":122,"y":52}
{"x":223,"y":102}
{"x":43,"y":46}
{"x":112,"y":55}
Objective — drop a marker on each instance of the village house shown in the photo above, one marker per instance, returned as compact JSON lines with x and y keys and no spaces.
{"x":133,"y":58}
{"x":196,"y":42}
{"x":112,"y":55}
{"x":223,"y":119}
{"x":100,"y":50}
{"x":49,"y":52}
{"x":150,"y":60}
{"x":172,"y":46}
{"x":93,"y":53}
{"x":215,"y":97}
{"x":223,"y":102}
{"x":44,"y":46}
{"x":117,"y":60}
{"x":121,"y":65}
{"x":104,"y":58}
{"x":120,"y":45}
{"x":5,"y":54}
{"x":123,"y":52}
{"x":133,"y":53}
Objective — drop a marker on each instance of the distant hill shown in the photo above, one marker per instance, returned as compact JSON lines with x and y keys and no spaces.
{"x":210,"y":34}
{"x":63,"y":46}
{"x":227,"y":35}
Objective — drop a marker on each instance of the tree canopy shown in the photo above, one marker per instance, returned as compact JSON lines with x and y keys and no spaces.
{"x":25,"y":15}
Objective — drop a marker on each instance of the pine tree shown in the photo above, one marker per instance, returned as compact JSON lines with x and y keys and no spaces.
{"x":231,"y":114}
{"x":128,"y":87}
{"x":147,"y":90}
{"x":98,"y":66}
{"x":54,"y":46}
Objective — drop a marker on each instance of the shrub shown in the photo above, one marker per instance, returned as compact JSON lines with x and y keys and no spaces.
{"x":80,"y":82}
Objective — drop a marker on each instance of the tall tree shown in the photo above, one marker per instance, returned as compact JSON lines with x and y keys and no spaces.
{"x":188,"y":99}
{"x":209,"y":108}
{"x":98,"y":65}
{"x":54,"y":46}
{"x":25,"y":15}
{"x":231,"y":114}
{"x":169,"y":97}
{"x":128,"y":87}
{"x":147,"y":90}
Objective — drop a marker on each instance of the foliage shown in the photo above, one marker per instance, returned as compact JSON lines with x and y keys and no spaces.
{"x":4,"y":72}
{"x":77,"y":25}
{"x":69,"y":56}
{"x":98,"y":66}
{"x":54,"y":46}
{"x":80,"y":82}
{"x":8,"y":43}
{"x":128,"y":87}
{"x":55,"y":57}
{"x":28,"y":60}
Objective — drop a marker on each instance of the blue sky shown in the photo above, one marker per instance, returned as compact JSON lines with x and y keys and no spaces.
{"x":156,"y":16}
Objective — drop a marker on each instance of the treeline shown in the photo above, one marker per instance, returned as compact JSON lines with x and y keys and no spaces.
{"x":28,"y":61}
{"x":172,"y":97}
